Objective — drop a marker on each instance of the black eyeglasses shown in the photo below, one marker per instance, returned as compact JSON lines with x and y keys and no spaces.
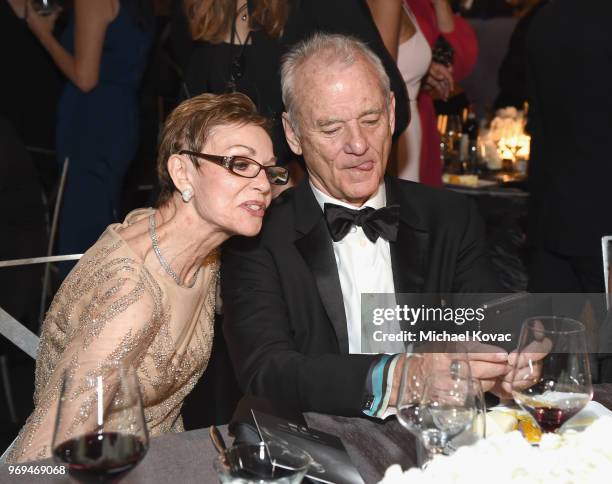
{"x":244,"y":167}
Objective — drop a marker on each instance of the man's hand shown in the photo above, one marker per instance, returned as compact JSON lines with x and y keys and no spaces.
{"x":489,"y":364}
{"x":528,"y":365}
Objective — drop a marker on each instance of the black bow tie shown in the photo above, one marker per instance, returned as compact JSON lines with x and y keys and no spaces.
{"x":375,"y":223}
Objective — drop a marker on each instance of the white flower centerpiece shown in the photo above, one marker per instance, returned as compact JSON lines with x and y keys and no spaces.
{"x":567,"y":458}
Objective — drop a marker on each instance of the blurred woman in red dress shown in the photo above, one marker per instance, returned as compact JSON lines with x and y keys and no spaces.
{"x":410,"y":30}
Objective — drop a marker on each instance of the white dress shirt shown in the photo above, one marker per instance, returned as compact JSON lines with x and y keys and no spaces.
{"x":363,"y":267}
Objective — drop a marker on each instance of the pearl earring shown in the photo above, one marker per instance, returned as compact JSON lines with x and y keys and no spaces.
{"x":187,"y":194}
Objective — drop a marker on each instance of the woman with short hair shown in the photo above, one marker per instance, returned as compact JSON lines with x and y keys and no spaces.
{"x":144,"y":294}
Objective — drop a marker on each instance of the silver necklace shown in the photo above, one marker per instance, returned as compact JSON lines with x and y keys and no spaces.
{"x":161,"y":259}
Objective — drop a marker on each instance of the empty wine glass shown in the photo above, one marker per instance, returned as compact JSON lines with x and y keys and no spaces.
{"x":417,"y":368}
{"x":448,"y":408}
{"x":263,"y":463}
{"x":100,"y":431}
{"x":451,"y":137}
{"x":551,"y":377}
{"x":410,"y":393}
{"x":478,"y":429}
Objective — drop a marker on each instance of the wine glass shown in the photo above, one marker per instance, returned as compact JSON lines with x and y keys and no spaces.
{"x":263,"y":463}
{"x":417,"y":368}
{"x":100,"y":431}
{"x":478,"y":429}
{"x":448,"y":408}
{"x":45,"y":7}
{"x":551,"y":378}
{"x":410,"y":393}
{"x":450,"y":136}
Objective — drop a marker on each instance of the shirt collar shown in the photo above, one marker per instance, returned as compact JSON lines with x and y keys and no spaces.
{"x":378,"y":200}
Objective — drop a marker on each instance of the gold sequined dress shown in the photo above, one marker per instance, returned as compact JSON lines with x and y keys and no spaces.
{"x":114,"y":308}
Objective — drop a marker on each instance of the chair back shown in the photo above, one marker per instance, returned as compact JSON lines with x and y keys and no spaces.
{"x":10,"y":328}
{"x":18,"y":334}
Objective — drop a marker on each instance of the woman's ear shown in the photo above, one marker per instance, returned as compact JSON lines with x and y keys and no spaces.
{"x":179,"y":171}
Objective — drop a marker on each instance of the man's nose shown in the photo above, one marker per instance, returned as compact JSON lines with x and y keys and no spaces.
{"x":356,"y":142}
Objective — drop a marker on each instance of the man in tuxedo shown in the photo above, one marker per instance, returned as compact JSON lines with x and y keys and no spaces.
{"x":292,"y":295}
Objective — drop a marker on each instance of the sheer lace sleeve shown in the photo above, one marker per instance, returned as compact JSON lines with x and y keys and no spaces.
{"x":107,"y":311}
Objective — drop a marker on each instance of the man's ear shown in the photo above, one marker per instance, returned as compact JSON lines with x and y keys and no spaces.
{"x":392,"y":112}
{"x":292,"y":138}
{"x":178,"y":171}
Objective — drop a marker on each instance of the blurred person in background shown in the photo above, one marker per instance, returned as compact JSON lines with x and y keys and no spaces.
{"x":570,"y":168}
{"x":411,"y":29}
{"x":30,"y":86}
{"x":22,"y":226}
{"x":29,"y":89}
{"x":484,"y":9}
{"x":102,"y":53}
{"x":569,"y":79}
{"x":144,"y":294}
{"x":512,"y":77}
{"x":237,"y":48}
{"x":239,"y":43}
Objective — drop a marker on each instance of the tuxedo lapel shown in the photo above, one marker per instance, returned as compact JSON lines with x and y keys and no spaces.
{"x":315,"y":245}
{"x":410,"y":252}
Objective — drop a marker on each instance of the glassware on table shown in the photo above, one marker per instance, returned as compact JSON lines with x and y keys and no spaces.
{"x":552,"y":378}
{"x":262,"y":463}
{"x":417,"y":368}
{"x":448,"y":408}
{"x":45,"y":7}
{"x":410,"y":393}
{"x":450,"y":127}
{"x":100,"y":432}
{"x":478,"y":429}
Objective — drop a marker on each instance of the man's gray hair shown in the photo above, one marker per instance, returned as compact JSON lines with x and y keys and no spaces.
{"x":332,"y":49}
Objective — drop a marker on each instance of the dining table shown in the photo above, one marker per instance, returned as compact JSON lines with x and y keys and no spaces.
{"x":187,"y":457}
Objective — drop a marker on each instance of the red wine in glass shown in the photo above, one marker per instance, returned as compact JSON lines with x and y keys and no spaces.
{"x":551,"y":413}
{"x":104,"y":457}
{"x":550,"y":419}
{"x":551,"y":375}
{"x":100,"y":432}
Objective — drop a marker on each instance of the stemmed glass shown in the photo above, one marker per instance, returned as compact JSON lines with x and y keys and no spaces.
{"x":448,"y":408}
{"x":417,"y":368}
{"x":100,"y":431}
{"x":450,"y":136}
{"x":478,"y":429}
{"x":410,"y":394}
{"x":551,"y":378}
{"x":45,"y":7}
{"x":449,"y":363}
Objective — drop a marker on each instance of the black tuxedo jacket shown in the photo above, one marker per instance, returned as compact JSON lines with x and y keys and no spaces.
{"x":285,"y":323}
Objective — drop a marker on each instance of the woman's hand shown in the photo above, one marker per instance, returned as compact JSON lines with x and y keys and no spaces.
{"x":41,"y":25}
{"x":439,"y":81}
